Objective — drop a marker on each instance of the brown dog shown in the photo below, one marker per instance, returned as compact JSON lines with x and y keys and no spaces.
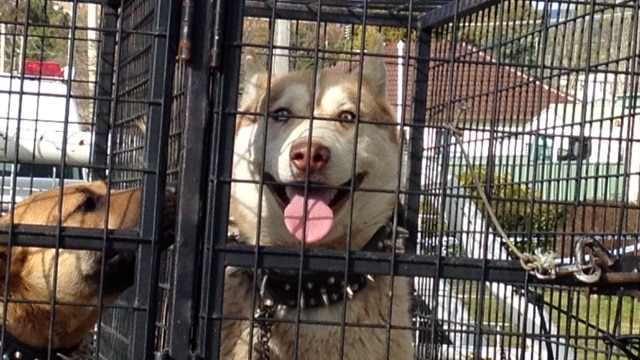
{"x":75,"y":273}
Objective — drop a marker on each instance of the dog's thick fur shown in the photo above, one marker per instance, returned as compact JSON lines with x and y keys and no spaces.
{"x":75,"y":273}
{"x":263,"y":146}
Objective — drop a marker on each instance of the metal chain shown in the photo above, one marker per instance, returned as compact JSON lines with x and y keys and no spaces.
{"x":263,"y":316}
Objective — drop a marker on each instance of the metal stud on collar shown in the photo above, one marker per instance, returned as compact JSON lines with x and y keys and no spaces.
{"x":325,"y":297}
{"x":15,"y":356}
{"x":350,"y":292}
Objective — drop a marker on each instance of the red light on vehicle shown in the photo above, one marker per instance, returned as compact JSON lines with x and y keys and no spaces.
{"x":43,"y":69}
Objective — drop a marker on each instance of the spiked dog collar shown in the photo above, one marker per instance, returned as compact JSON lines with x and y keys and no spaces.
{"x":14,"y":349}
{"x":280,"y":288}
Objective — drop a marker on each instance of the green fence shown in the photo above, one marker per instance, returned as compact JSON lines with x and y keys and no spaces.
{"x":568,"y":181}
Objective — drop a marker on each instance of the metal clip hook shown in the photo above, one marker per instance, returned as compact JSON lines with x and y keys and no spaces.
{"x":581,"y":262}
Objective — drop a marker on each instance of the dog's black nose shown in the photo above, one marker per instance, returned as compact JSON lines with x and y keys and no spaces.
{"x":315,"y":156}
{"x":118,"y":272}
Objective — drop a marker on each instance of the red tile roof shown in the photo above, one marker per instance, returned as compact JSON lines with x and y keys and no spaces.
{"x":472,"y":80}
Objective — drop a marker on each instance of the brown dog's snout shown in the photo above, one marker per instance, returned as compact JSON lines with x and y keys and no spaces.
{"x":315,"y":156}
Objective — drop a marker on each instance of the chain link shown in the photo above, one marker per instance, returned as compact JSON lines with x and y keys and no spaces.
{"x":263,"y":316}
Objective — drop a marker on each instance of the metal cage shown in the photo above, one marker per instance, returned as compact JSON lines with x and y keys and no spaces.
{"x":91,"y":91}
{"x":515,"y":192}
{"x":530,"y":103}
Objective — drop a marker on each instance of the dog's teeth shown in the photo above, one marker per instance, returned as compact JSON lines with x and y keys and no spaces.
{"x":289,"y":191}
{"x":333,"y":193}
{"x":370,"y":278}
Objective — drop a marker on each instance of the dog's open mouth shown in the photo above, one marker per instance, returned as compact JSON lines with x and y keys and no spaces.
{"x":309,"y":215}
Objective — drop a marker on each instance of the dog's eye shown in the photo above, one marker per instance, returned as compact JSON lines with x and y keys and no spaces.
{"x":89,"y":204}
{"x":347,"y":115}
{"x":281,"y":115}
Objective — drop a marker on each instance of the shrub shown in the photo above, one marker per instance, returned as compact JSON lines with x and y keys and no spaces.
{"x":518,"y":208}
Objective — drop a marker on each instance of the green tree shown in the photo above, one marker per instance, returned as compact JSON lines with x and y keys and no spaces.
{"x":518,"y":208}
{"x":41,"y":25}
{"x":352,"y":39}
{"x":507,"y":31}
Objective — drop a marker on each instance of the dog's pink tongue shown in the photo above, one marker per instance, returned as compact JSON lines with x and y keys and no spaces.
{"x":319,"y":218}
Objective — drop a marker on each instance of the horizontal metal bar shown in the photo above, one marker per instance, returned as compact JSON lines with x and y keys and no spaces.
{"x":331,"y":14}
{"x":454,"y":9}
{"x":376,"y":263}
{"x":71,"y":238}
{"x":502,"y":271}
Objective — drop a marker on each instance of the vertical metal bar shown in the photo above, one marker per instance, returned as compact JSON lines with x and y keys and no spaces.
{"x":104,"y":89}
{"x":192,"y":188}
{"x":416,"y":141}
{"x":229,"y":17}
{"x":153,"y":180}
{"x":186,"y":26}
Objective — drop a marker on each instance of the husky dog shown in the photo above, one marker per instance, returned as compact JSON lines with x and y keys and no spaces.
{"x":319,"y":169}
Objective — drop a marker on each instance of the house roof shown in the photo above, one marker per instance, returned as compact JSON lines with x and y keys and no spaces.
{"x":478,"y":87}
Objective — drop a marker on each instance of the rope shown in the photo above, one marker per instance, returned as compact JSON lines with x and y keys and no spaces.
{"x":540,"y":263}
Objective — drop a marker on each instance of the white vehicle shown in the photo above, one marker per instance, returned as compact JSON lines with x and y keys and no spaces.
{"x":36,"y":116}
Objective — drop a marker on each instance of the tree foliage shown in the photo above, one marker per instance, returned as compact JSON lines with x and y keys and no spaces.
{"x":352,"y":41}
{"x":518,"y":208}
{"x":45,"y":25}
{"x":305,"y":38}
{"x":334,"y":42}
{"x":506,"y":31}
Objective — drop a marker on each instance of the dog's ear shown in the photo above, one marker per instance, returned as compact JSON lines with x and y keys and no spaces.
{"x":254,"y":84}
{"x":374,"y":70}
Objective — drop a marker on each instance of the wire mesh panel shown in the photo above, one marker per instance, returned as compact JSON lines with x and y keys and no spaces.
{"x":310,"y":151}
{"x":86,"y":93}
{"x":533,"y":105}
{"x":514,"y":163}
